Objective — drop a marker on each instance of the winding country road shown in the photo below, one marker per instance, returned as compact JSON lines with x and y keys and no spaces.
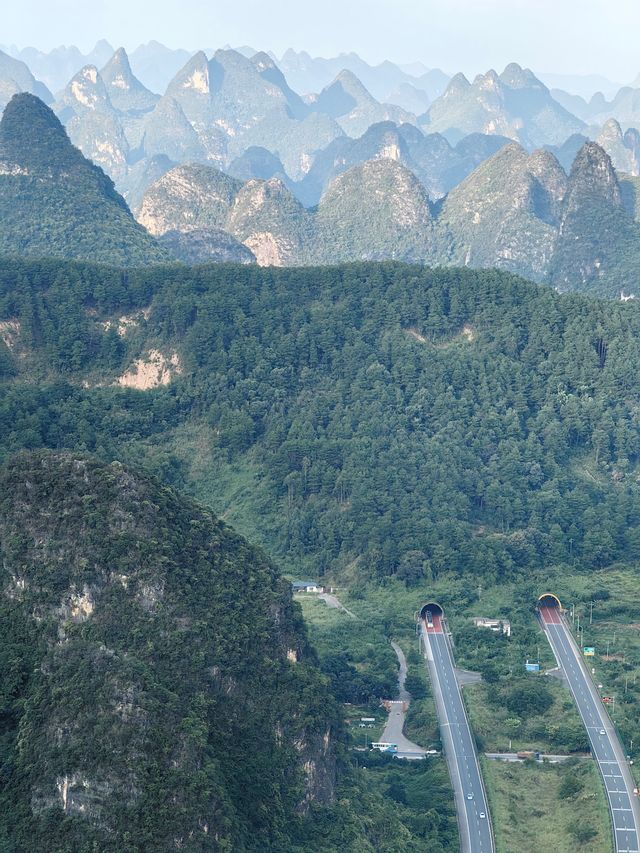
{"x":394,"y":730}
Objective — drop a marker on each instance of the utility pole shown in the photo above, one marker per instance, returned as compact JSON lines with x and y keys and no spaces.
{"x":573,"y":615}
{"x":607,"y":649}
{"x":591,"y":613}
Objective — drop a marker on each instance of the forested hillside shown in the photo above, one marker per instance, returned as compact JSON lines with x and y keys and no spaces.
{"x":56,"y":203}
{"x":376,"y":419}
{"x":158,"y":692}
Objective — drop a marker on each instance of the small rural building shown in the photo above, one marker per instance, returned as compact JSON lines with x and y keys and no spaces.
{"x":306,"y":586}
{"x":498,"y":626}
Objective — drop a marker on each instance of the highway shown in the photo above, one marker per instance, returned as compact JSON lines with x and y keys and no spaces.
{"x":605,"y":746}
{"x":471,"y":801}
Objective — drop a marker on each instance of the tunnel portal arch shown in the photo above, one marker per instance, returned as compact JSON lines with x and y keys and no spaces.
{"x":548,"y":599}
{"x":433,"y":607}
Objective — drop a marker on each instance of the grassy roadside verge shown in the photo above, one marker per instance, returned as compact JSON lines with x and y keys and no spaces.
{"x":541,"y":806}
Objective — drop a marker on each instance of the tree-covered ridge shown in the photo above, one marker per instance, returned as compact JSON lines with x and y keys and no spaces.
{"x":413,"y":421}
{"x":157,"y":689}
{"x":56,"y":203}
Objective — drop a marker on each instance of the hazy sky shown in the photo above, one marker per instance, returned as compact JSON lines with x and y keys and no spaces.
{"x":576,"y":36}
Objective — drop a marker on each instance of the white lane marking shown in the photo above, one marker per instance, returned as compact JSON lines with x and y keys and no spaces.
{"x":441,"y":659}
{"x":567,"y":648}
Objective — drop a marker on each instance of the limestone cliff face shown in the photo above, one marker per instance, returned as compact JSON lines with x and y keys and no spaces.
{"x":92,"y":123}
{"x":622,"y":148}
{"x":126,"y":92}
{"x":188,"y":197}
{"x":224,"y":214}
{"x":270,"y":222}
{"x":157,"y":682}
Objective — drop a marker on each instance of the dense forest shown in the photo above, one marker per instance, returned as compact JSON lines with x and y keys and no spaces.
{"x":391,"y":419}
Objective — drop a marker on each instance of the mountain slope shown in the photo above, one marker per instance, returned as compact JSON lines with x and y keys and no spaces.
{"x":598,"y":247}
{"x":436,"y":164}
{"x":159,"y":671}
{"x":514,"y":104}
{"x":187,"y":198}
{"x":501,"y":417}
{"x":16,"y":77}
{"x":623,"y":148}
{"x":126,"y":92}
{"x":506,"y":213}
{"x":91,"y":121}
{"x":354,"y":108}
{"x":272,"y":223}
{"x":167,"y":131}
{"x":55,"y":202}
{"x":376,"y":211}
{"x":230,"y":91}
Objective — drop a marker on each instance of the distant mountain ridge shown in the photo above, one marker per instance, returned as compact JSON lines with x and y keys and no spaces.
{"x":216,"y":105}
{"x":516,"y":211}
{"x":15,"y":77}
{"x":514,"y":104}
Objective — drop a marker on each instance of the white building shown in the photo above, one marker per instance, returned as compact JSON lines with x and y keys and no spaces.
{"x":498,"y":626}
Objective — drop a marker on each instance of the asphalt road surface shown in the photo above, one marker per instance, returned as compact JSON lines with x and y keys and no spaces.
{"x":471,"y":800}
{"x":605,"y":746}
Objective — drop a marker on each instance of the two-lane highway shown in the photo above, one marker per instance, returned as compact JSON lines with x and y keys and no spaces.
{"x":605,"y":745}
{"x":471,"y":800}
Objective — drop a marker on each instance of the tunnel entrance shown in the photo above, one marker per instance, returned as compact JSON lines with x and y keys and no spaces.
{"x":431,"y":607}
{"x":548,"y":599}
